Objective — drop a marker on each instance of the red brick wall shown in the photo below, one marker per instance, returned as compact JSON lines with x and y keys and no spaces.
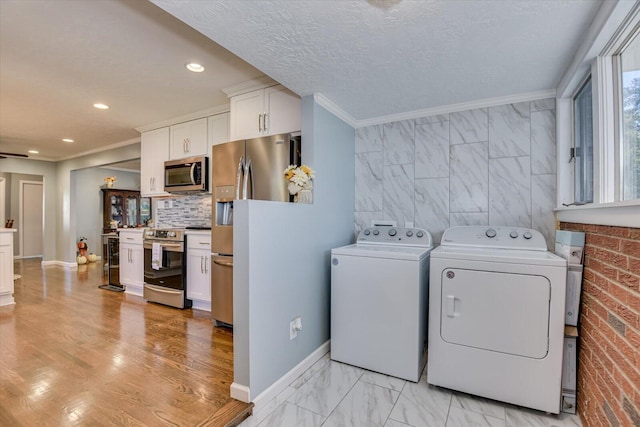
{"x":609,"y":361}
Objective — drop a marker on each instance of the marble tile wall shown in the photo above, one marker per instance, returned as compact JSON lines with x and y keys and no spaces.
{"x":192,"y":209}
{"x":487,"y":166}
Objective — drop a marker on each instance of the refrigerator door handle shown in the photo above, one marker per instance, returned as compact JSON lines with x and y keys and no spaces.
{"x":239,"y":177}
{"x":248,"y":175}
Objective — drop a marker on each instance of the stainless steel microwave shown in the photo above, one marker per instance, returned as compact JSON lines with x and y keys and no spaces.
{"x":186,"y":175}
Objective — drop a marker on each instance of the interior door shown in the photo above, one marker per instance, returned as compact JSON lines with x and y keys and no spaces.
{"x":496,"y":311}
{"x":32,"y":218}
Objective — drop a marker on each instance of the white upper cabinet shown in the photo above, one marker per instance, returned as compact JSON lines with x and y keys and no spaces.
{"x":154,"y":150}
{"x":264,"y":112}
{"x":188,"y":139}
{"x":218,"y":129}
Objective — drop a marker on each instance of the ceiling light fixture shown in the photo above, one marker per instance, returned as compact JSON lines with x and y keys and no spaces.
{"x":195,"y":67}
{"x":101,"y":106}
{"x":34,"y":151}
{"x":68,"y":140}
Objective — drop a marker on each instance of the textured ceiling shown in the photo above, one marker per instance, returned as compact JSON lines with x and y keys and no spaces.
{"x":378,"y":58}
{"x":59,"y":57}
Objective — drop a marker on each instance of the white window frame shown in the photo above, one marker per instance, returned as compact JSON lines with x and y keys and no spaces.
{"x":609,"y":33}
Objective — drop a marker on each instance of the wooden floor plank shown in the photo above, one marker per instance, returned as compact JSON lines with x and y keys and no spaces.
{"x":74,"y":354}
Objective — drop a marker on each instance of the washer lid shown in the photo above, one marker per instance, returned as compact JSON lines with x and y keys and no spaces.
{"x":411,"y":253}
{"x":510,"y":256}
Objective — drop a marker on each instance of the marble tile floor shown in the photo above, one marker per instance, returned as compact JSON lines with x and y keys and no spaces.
{"x":338,"y":395}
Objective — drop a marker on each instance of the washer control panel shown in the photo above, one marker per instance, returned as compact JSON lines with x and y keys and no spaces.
{"x":495,"y":237}
{"x":386,"y":235}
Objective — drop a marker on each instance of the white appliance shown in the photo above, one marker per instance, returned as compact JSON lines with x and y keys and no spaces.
{"x":379,"y":301}
{"x":496,"y":316}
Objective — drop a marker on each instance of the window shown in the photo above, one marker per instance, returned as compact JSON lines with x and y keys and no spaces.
{"x":598,"y":122}
{"x":630,"y":117}
{"x":582,"y":151}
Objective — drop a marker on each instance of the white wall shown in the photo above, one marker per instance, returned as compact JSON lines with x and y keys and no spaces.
{"x":66,"y":244}
{"x":282,"y":257}
{"x":89,"y":206}
{"x":48,"y":171}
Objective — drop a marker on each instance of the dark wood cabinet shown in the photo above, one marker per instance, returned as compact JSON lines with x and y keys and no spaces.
{"x":125,"y":206}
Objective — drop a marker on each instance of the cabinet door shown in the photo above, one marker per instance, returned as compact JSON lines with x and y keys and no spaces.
{"x":126,"y":270}
{"x":131,"y":209}
{"x":198,"y":275}
{"x":218,"y":129}
{"x":137,"y":265}
{"x":188,"y":139}
{"x":283,"y":111}
{"x":154,"y":149}
{"x":244,"y":116}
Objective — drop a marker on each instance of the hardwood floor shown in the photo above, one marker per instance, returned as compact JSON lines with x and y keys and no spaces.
{"x":74,"y":354}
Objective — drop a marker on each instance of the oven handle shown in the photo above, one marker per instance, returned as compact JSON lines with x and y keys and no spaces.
{"x":164,"y":245}
{"x":223,"y":263}
{"x":161,"y":289}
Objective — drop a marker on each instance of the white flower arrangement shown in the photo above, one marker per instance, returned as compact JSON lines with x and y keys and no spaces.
{"x":299,"y":178}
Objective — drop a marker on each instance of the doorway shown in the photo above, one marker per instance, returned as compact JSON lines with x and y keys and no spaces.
{"x":31,"y":217}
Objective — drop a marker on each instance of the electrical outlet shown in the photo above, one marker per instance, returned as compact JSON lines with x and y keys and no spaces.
{"x":294,"y":327}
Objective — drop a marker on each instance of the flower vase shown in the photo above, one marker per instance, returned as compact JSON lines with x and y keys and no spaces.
{"x":109,"y":184}
{"x":304,"y":196}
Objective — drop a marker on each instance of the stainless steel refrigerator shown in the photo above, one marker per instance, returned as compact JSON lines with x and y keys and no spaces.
{"x":244,"y":169}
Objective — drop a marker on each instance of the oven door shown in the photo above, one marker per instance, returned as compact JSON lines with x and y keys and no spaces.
{"x":172,"y":265}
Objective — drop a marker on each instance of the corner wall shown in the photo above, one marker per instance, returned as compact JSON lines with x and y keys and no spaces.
{"x":609,"y":346}
{"x":282,"y":257}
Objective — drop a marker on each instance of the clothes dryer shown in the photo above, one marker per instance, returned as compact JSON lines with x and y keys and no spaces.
{"x":496,"y":316}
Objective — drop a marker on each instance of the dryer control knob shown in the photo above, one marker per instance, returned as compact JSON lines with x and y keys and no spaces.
{"x":513,"y":234}
{"x":376,"y":232}
{"x":527,"y":235}
{"x":392,"y":232}
{"x":419,"y":234}
{"x":490,"y":233}
{"x":409,"y":233}
{"x":367,"y":232}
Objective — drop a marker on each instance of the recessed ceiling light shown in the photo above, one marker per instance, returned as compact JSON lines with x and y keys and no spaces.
{"x":33,"y":151}
{"x":101,"y":106}
{"x":68,"y":140}
{"x":195,"y":67}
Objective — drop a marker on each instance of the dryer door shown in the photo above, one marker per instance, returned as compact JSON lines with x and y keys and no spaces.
{"x":496,"y":311}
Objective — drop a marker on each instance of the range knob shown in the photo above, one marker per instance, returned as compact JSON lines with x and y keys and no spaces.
{"x":171,"y":234}
{"x":409,"y":233}
{"x":490,"y":233}
{"x":367,"y":232}
{"x":392,"y":232}
{"x":376,"y":232}
{"x":513,"y":234}
{"x":527,"y":235}
{"x":419,"y":234}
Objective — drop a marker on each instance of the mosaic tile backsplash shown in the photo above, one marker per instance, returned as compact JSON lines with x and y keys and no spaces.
{"x":192,"y":209}
{"x":488,"y":166}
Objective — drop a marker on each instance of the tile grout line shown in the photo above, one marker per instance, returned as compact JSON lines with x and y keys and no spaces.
{"x":343,"y":397}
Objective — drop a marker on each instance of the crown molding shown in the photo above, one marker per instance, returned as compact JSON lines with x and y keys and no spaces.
{"x":328,"y":105}
{"x":483,"y":103}
{"x":212,"y":111}
{"x":249,"y":86}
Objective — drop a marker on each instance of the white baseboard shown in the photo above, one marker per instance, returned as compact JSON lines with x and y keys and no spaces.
{"x":281,"y":384}
{"x":63,"y":264}
{"x":240,"y":392}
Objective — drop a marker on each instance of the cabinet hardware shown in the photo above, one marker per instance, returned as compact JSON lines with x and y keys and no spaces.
{"x":264,"y":121}
{"x":259,"y":122}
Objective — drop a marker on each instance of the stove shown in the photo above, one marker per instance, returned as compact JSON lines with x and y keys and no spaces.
{"x":165,"y":267}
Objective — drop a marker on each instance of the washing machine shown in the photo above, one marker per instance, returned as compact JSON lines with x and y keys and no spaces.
{"x":379,"y":301}
{"x":496,"y":316}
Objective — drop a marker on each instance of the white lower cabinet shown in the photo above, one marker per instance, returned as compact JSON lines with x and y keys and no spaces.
{"x":199,"y":269}
{"x":132,"y":261}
